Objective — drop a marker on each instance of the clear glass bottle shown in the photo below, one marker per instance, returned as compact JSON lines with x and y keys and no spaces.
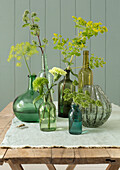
{"x":75,"y":120}
{"x":23,"y":106}
{"x":85,"y":75}
{"x":64,"y":106}
{"x":45,"y":72}
{"x":47,"y":114}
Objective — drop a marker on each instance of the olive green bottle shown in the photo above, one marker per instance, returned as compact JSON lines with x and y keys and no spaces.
{"x":85,"y":75}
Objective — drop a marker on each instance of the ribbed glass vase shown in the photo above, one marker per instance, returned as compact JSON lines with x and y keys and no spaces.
{"x":23,"y":106}
{"x":95,"y":116}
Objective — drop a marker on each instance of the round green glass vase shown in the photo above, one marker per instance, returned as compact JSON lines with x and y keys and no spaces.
{"x":23,"y":106}
{"x":47,"y":114}
{"x":75,"y":120}
{"x":64,"y":106}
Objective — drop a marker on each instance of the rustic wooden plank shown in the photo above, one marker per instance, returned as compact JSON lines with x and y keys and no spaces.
{"x":7,"y":110}
{"x":71,"y":167}
{"x":51,"y":166}
{"x":2,"y":153}
{"x":6,"y":116}
{"x":4,"y":130}
{"x":62,"y":156}
{"x":90,"y":155}
{"x":114,"y":155}
{"x":112,"y":167}
{"x":14,"y":166}
{"x":29,"y":156}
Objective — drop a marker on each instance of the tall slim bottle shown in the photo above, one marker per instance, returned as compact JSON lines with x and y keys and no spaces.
{"x":85,"y":75}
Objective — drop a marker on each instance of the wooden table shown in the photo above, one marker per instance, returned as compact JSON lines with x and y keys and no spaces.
{"x":51,"y":156}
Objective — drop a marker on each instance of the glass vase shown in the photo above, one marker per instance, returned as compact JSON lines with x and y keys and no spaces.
{"x":45,"y":73}
{"x":47,"y":114}
{"x":64,"y":106}
{"x":75,"y":120}
{"x":95,"y":116}
{"x":23,"y":106}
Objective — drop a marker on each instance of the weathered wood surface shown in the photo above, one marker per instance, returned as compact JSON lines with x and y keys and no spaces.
{"x":15,"y":166}
{"x":6,"y":116}
{"x":51,"y":156}
{"x":29,"y":156}
{"x":112,"y":167}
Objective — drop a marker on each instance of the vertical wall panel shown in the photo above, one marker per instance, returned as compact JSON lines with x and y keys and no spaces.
{"x":6,"y":40}
{"x":83,"y":11}
{"x":21,"y":35}
{"x":113,"y":50}
{"x":98,"y":43}
{"x":38,"y":6}
{"x":67,"y":24}
{"x":52,"y":26}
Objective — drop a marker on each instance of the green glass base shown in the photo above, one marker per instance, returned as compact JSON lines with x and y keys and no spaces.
{"x":48,"y":130}
{"x":27,"y":117}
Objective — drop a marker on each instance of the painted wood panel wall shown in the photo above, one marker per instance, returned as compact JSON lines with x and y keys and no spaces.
{"x":56,"y":16}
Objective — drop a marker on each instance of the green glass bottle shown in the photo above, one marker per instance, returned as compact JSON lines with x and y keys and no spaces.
{"x":47,"y":114}
{"x":64,"y":106}
{"x":23,"y":106}
{"x":75,"y":120}
{"x":85,"y":76}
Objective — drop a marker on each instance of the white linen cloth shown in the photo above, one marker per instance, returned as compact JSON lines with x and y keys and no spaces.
{"x":108,"y":135}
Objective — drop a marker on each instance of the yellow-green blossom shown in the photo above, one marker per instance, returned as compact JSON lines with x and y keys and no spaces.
{"x":22,"y":51}
{"x":56,"y":70}
{"x":57,"y":73}
{"x":38,"y":84}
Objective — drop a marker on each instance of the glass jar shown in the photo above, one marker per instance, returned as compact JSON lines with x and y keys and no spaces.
{"x":47,"y":114}
{"x":75,"y":120}
{"x":23,"y":106}
{"x":64,"y":106}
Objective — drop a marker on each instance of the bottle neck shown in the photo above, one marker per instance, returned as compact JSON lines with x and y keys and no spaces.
{"x":44,"y":63}
{"x":30,"y":81}
{"x":85,"y":61}
{"x":67,"y":76}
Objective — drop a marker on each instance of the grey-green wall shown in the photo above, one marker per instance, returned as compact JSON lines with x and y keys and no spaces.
{"x":56,"y":17}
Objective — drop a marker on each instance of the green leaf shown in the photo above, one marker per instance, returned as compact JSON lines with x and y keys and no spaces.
{"x":73,"y":73}
{"x":36,"y":99}
{"x":36,"y":19}
{"x":25,"y":25}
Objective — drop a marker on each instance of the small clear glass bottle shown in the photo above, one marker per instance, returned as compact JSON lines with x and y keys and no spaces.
{"x":47,"y":114}
{"x":85,"y":75}
{"x":75,"y":120}
{"x":64,"y":106}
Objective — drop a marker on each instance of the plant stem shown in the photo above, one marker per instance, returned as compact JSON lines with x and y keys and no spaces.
{"x":27,"y":65}
{"x":71,"y":58}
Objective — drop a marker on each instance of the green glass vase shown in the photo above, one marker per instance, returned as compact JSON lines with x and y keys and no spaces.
{"x":75,"y":120}
{"x":47,"y":114}
{"x":23,"y":106}
{"x":64,"y":106}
